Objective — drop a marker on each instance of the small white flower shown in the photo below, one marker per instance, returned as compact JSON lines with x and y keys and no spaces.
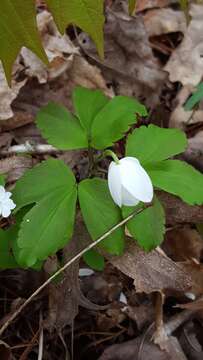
{"x":129,"y":183}
{"x":6,"y":204}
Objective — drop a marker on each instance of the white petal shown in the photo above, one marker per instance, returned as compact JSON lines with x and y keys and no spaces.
{"x":2,"y":192}
{"x":114,"y":183}
{"x":7,"y":195}
{"x":9,"y":203}
{"x":135,"y":179}
{"x":128,"y":199}
{"x":5,"y":211}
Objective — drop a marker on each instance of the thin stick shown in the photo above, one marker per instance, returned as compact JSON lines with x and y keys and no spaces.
{"x":31,"y":149}
{"x":76,"y":257}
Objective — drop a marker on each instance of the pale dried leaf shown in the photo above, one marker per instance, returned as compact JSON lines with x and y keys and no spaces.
{"x":186,"y":63}
{"x":59,"y":49}
{"x":15,"y":166}
{"x":8,"y":94}
{"x":164,"y":21}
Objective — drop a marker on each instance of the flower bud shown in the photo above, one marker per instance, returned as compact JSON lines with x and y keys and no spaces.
{"x":129,"y":183}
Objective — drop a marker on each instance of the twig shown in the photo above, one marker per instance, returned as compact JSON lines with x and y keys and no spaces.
{"x":71,"y":261}
{"x":41,"y":342}
{"x":31,"y":149}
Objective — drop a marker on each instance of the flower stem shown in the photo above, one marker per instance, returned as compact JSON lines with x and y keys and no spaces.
{"x":112,"y":154}
{"x":91,"y":160}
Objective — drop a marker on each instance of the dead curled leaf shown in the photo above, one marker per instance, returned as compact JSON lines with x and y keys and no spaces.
{"x":59,"y":49}
{"x":191,"y":48}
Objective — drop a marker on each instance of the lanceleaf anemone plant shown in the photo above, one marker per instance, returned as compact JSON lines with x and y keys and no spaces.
{"x":48,"y":196}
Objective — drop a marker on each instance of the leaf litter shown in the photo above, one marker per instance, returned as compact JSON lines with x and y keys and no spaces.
{"x":116,"y":309}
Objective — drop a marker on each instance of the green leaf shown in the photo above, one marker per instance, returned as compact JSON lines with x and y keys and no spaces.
{"x":48,"y":226}
{"x":87,"y":104}
{"x":7,"y":260}
{"x":18,"y":28}
{"x":86,"y":14}
{"x":101,"y":214}
{"x":195,"y":98}
{"x":2,"y":180}
{"x":178,"y":178}
{"x":60,"y":128}
{"x":114,"y":120}
{"x":131,"y":6}
{"x":94,"y":260}
{"x":147,"y":227}
{"x":152,"y":143}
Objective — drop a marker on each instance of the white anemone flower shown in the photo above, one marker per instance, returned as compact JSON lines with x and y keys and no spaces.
{"x":6,"y":204}
{"x":129,"y":183}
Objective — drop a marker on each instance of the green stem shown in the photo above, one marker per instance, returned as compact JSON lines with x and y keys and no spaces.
{"x":112,"y":154}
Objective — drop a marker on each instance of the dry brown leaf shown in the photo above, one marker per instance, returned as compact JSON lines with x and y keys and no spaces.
{"x":186,"y":63}
{"x":15,"y":167}
{"x":59,"y":49}
{"x":164,"y":21}
{"x":84,"y":74}
{"x":142,"y":315}
{"x":179,"y":117}
{"x":142,"y":5}
{"x":194,"y":152}
{"x":5,"y":139}
{"x":195,"y":270}
{"x":129,"y":61}
{"x":177,"y":211}
{"x":8,"y":94}
{"x":183,"y":244}
{"x":142,"y":349}
{"x":152,"y":271}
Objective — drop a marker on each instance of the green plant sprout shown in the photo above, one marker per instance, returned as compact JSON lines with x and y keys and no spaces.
{"x":48,"y":196}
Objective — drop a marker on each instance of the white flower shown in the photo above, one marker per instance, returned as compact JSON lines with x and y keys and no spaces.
{"x":6,"y":204}
{"x":129,"y":183}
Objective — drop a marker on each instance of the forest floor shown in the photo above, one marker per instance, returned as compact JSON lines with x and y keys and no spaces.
{"x":144,"y":306}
